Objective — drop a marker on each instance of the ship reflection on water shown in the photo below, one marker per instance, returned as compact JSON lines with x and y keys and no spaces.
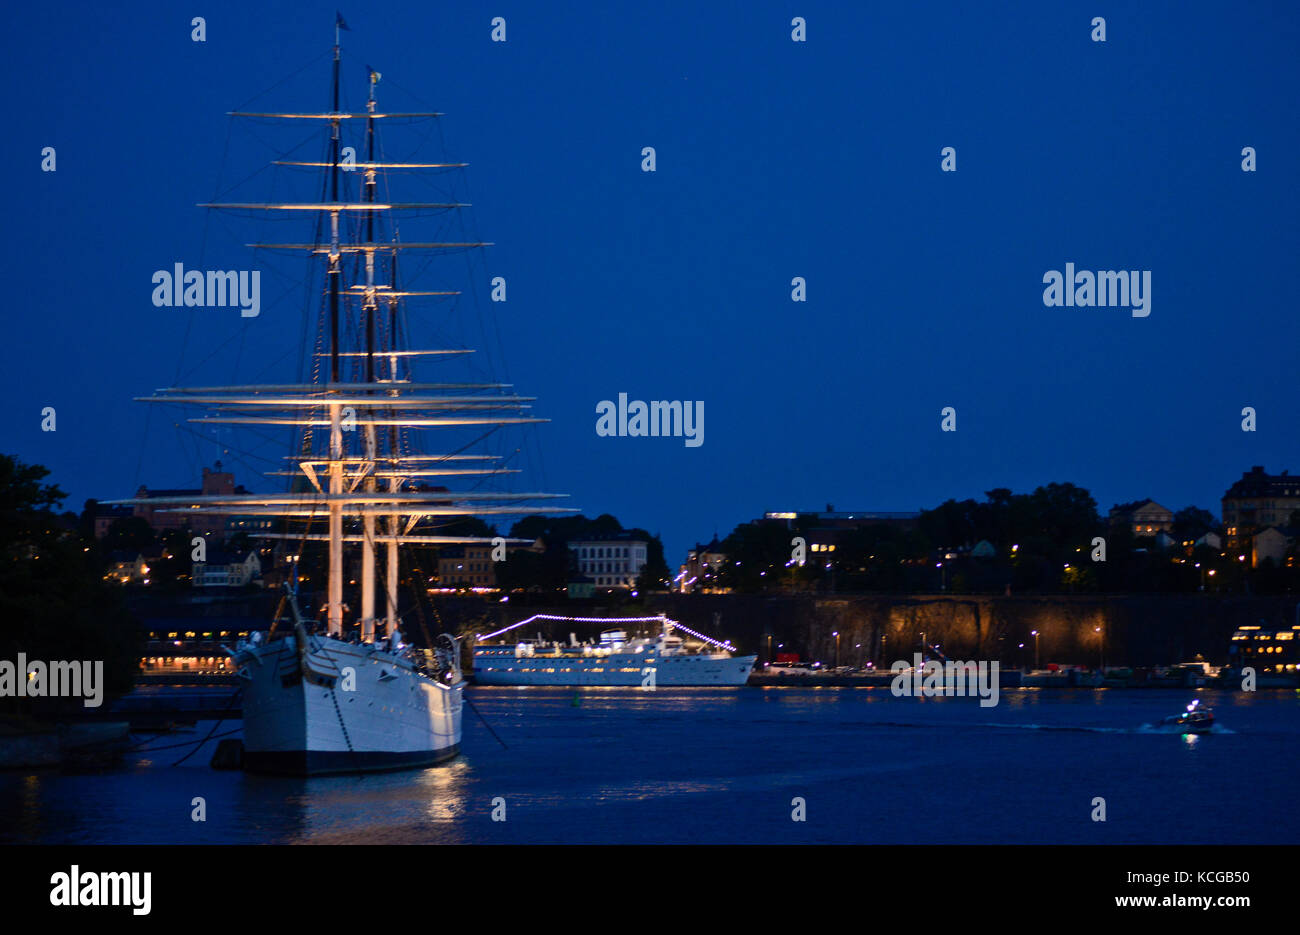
{"x":382,"y":808}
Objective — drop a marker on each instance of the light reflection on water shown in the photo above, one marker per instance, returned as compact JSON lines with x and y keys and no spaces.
{"x":701,"y":765}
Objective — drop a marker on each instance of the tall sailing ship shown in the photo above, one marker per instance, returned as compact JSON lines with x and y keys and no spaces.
{"x":351,"y":694}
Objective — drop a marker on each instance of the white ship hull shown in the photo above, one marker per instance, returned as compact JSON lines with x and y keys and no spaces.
{"x":502,"y":666}
{"x":301,"y":719}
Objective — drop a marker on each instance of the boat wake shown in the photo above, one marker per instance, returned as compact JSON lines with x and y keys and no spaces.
{"x":1178,"y":729}
{"x":1053,"y":728}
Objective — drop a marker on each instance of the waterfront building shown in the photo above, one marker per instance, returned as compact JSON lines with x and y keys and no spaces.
{"x":1266,"y":649}
{"x":193,"y":644}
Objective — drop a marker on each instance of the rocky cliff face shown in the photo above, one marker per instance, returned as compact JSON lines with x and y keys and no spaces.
{"x":1133,"y":630}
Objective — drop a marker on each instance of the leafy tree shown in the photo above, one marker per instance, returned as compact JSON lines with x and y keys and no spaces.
{"x":128,"y":532}
{"x":467,"y":526}
{"x":655,"y":573}
{"x":556,"y":532}
{"x":53,"y":599}
{"x":524,"y":568}
{"x":758,"y":557}
{"x":1190,"y":523}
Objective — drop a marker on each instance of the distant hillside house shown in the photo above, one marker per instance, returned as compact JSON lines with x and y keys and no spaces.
{"x":580,"y":586}
{"x":250,"y":525}
{"x":1271,"y":543}
{"x":1165,"y":541}
{"x":131,"y":566}
{"x":227,"y":569}
{"x":1142,"y":517}
{"x":612,"y":561}
{"x":175,"y":516}
{"x":1211,"y":539}
{"x":1257,"y":501}
{"x":702,"y":562}
{"x":466,"y":566}
{"x":106,"y":515}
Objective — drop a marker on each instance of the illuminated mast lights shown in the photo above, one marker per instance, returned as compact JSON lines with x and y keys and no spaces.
{"x":345,"y":484}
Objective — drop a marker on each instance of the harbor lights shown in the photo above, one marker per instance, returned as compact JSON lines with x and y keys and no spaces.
{"x":1034,"y":634}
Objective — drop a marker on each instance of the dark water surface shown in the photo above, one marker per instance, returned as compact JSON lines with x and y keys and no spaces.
{"x":723,"y":765}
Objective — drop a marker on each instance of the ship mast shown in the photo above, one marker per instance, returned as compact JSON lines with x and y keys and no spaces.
{"x":334,"y":608}
{"x":365,"y":493}
{"x":368,"y":537}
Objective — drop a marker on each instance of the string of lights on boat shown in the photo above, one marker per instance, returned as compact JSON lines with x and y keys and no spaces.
{"x":661,"y":619}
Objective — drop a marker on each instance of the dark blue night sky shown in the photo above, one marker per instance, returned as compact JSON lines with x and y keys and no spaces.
{"x":776,"y":159}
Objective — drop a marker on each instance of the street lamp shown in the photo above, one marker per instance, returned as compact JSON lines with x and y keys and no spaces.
{"x":1034,"y":634}
{"x":1101,"y":649}
{"x":836,"y":634}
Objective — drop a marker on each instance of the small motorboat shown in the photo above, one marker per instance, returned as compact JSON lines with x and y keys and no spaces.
{"x":1195,"y":720}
